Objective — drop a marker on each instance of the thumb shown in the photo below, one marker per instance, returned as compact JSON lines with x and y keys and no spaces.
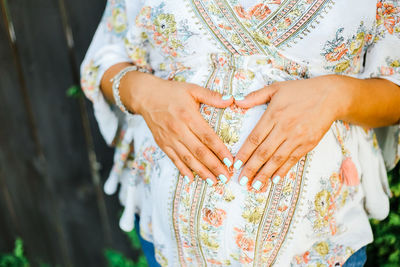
{"x":211,"y":98}
{"x":259,"y":97}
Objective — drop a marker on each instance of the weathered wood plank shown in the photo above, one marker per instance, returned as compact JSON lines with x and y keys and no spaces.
{"x":83,"y":25}
{"x":24,"y":202}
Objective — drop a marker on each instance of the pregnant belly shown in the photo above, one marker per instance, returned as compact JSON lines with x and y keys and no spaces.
{"x":223,"y":221}
{"x":228,"y":224}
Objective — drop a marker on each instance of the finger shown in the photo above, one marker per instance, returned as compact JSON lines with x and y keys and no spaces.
{"x":206,"y":157}
{"x":278,"y":159}
{"x":260,"y":156}
{"x":253,"y":141}
{"x":256,"y":98}
{"x":211,"y":139}
{"x":193,"y":163}
{"x":285,"y":168}
{"x":211,"y":98}
{"x":183,"y":169}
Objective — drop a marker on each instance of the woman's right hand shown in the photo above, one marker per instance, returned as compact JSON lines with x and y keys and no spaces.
{"x":171,"y":111}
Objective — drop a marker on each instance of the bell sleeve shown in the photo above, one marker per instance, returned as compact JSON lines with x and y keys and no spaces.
{"x":108,"y":47}
{"x":383,"y":61}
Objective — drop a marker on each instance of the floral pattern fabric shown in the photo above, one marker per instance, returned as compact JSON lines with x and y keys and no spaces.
{"x":315,"y":216}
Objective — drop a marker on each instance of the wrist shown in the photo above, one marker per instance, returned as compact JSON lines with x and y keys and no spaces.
{"x":342,"y":95}
{"x":133,"y":90}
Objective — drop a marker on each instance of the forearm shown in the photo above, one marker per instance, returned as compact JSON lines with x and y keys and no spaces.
{"x":129,"y":85}
{"x":369,"y":103}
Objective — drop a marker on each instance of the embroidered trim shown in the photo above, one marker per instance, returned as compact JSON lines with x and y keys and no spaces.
{"x":299,"y":207}
{"x":268,"y":238}
{"x":250,"y":39}
{"x":177,"y":198}
{"x":303,"y":22}
{"x":201,"y":11}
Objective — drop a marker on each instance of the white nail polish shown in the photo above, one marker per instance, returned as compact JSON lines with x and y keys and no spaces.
{"x":257,"y":185}
{"x":226,"y":97}
{"x":187,"y":179}
{"x":276,"y":179}
{"x":243,"y":181}
{"x":238,"y":97}
{"x":238,"y":164}
{"x":210,"y":182}
{"x":227,"y":162}
{"x":223,"y":178}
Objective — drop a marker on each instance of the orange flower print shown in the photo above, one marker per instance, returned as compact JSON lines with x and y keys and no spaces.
{"x":241,"y":12}
{"x":243,"y":242}
{"x":303,"y":258}
{"x":214,"y":217}
{"x":207,"y":110}
{"x":245,"y":259}
{"x":225,"y":27}
{"x":282,"y":208}
{"x":258,"y":12}
{"x":214,"y":262}
{"x":219,"y":189}
{"x":337,"y":53}
{"x":388,"y":15}
{"x":385,"y":71}
{"x":389,"y":24}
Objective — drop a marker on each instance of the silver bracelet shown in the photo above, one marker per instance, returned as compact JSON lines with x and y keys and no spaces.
{"x":116,"y":82}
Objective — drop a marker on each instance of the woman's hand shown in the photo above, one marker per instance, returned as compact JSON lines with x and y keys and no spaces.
{"x":298,"y":115}
{"x":171,"y":111}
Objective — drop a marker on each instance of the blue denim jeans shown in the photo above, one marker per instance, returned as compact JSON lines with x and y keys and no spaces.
{"x":147,"y":247}
{"x":358,"y":259}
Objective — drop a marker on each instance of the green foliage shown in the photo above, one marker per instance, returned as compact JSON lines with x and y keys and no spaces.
{"x":15,"y":259}
{"x":385,"y":251}
{"x":134,"y":238}
{"x":117,"y":259}
{"x":75,"y":91}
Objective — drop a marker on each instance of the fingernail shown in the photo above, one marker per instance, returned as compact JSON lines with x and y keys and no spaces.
{"x":238,"y":164}
{"x":227,"y":162}
{"x":187,"y":179}
{"x":257,"y":185}
{"x":222,"y":178}
{"x":276,"y":179}
{"x":238,"y":97}
{"x":210,"y":182}
{"x":226,"y":97}
{"x":243,"y":181}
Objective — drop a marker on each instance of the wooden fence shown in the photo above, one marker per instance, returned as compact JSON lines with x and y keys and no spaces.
{"x":53,"y":161}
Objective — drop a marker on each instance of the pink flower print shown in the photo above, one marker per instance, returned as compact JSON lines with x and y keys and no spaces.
{"x":385,"y":71}
{"x":243,"y":242}
{"x":214,"y":217}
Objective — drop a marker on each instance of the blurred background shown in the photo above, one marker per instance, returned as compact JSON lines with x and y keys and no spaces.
{"x":53,"y":161}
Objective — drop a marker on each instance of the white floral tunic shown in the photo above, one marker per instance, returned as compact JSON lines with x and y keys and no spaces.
{"x":318,"y":214}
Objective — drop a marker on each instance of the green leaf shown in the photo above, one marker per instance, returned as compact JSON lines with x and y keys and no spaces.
{"x":75,"y":91}
{"x":134,"y":238}
{"x":385,"y":250}
{"x":17,"y":258}
{"x":117,"y":259}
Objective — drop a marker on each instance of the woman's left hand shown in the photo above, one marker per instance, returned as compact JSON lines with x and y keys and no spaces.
{"x":299,"y":114}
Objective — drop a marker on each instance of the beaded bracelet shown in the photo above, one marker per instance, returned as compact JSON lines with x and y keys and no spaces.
{"x":116,"y":82}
